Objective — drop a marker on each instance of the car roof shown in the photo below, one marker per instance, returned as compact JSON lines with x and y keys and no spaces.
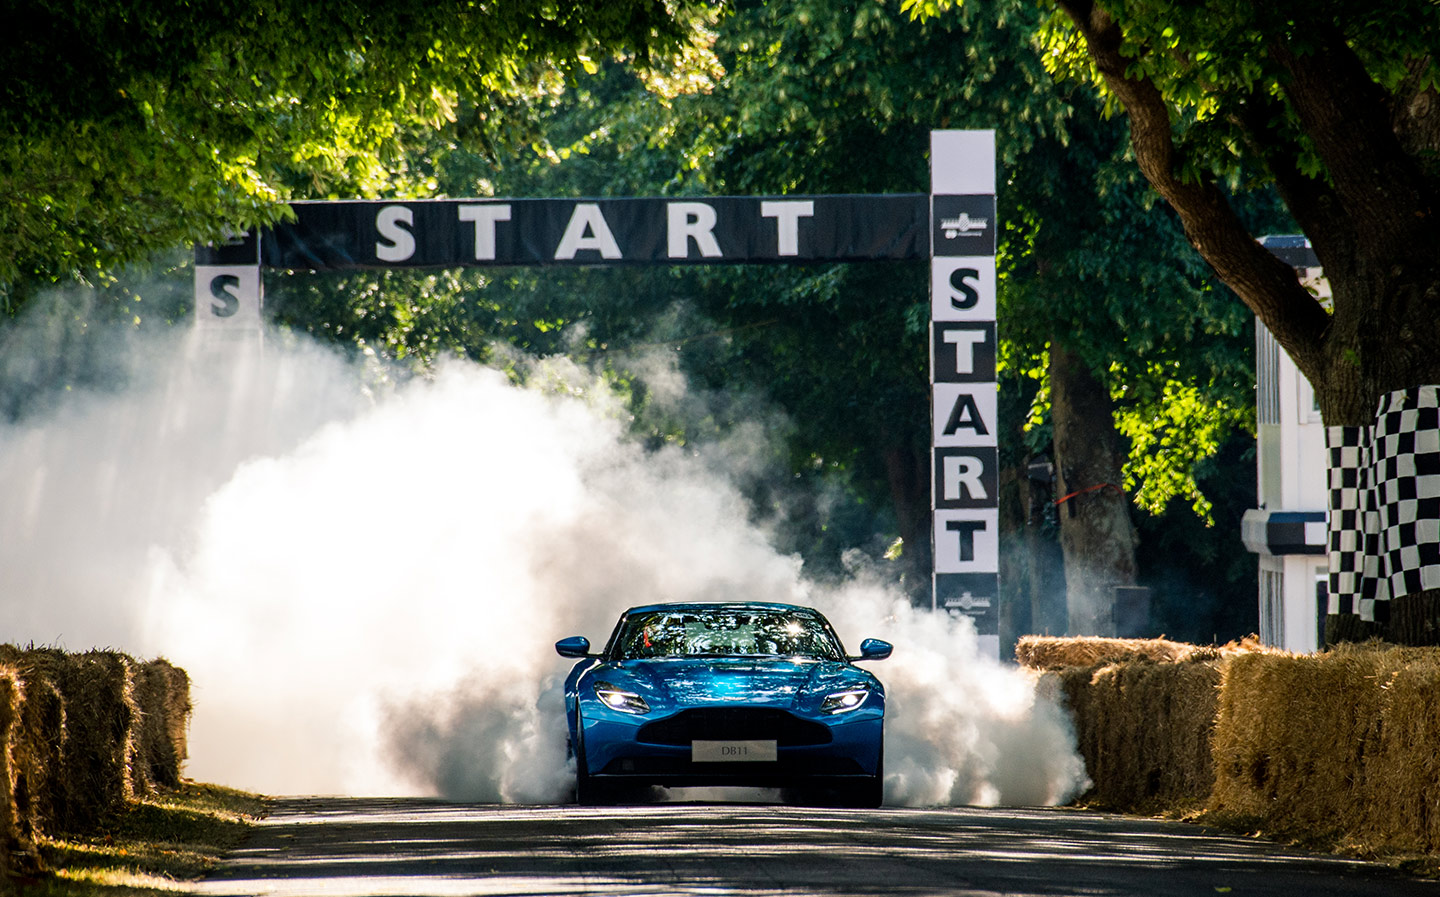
{"x":701,"y":606}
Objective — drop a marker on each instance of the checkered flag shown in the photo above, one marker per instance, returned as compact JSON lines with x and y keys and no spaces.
{"x":1350,"y":511}
{"x":1405,"y":471}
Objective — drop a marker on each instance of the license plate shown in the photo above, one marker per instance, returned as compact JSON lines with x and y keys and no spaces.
{"x":733,"y":752}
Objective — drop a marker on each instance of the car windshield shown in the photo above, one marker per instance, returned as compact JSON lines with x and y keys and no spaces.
{"x":727,"y":632}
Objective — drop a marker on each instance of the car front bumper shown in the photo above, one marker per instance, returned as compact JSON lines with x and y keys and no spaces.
{"x":808,"y":749}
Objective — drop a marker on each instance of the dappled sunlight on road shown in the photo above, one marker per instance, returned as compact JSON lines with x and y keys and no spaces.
{"x":357,"y":847}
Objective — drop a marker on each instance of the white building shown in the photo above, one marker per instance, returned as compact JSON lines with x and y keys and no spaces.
{"x":1288,"y":529}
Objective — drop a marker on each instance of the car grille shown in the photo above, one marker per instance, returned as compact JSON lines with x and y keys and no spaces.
{"x":786,"y":770}
{"x":734,"y":724}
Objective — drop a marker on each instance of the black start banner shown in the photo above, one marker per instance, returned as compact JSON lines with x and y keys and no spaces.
{"x":645,"y":231}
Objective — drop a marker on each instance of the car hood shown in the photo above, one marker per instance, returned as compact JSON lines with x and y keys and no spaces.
{"x":680,"y":682}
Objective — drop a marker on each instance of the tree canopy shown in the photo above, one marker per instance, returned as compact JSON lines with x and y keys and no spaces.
{"x":131,"y":127}
{"x":1338,"y":107}
{"x":809,"y":96}
{"x":824,"y":97}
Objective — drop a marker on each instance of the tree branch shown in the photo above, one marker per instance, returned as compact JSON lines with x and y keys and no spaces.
{"x":1315,"y":205}
{"x":1264,"y":283}
{"x":1347,"y":116}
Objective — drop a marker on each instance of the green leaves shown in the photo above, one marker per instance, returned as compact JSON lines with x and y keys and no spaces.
{"x":1173,"y":425}
{"x":127,"y":129}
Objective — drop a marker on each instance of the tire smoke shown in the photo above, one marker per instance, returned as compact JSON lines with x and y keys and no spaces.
{"x":365,"y":582}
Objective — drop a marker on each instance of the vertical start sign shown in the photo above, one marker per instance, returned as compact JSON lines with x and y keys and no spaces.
{"x":228,"y":287}
{"x":964,"y":493}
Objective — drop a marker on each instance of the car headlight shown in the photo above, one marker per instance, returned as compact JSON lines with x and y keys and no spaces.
{"x":844,"y":701}
{"x":619,"y":699}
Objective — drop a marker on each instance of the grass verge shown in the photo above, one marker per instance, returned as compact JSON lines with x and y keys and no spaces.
{"x":151,"y":848}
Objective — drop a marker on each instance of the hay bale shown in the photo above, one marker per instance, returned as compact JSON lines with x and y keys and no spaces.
{"x":1053,"y":653}
{"x":1144,"y":713}
{"x":35,"y":749}
{"x":162,"y":692}
{"x":18,"y":852}
{"x":1402,"y":770}
{"x":1335,"y":745}
{"x":100,"y":737}
{"x":1144,"y":731}
{"x":11,"y":843}
{"x":78,"y":741}
{"x":1292,"y":736}
{"x":1043,"y":652}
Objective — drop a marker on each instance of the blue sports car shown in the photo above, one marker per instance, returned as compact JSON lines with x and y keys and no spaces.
{"x":747,"y":694}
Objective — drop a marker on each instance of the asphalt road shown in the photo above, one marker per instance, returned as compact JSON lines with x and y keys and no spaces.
{"x":417,"y":847}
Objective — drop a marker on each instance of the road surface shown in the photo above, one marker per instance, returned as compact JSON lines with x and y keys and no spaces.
{"x":330,"y":846}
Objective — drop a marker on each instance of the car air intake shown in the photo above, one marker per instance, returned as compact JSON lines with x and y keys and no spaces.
{"x":734,"y":724}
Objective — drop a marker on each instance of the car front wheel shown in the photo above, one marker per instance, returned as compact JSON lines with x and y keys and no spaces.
{"x":592,"y":792}
{"x":867,"y":793}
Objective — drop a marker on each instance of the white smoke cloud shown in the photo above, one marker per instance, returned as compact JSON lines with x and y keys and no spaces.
{"x":960,"y":729}
{"x":91,"y":485}
{"x":366,"y":588}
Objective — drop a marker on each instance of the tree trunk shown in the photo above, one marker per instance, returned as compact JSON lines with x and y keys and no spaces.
{"x":908,"y":472}
{"x":1413,"y":619}
{"x":1370,"y":215}
{"x":1015,"y":585}
{"x":1097,"y":537}
{"x":1032,"y":579}
{"x":1348,"y":628}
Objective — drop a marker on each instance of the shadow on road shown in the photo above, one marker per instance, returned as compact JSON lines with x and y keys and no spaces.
{"x":419,"y":847}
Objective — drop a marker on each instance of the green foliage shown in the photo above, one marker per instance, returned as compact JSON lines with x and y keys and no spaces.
{"x":809,"y":96}
{"x":1173,"y":426}
{"x":126,"y":128}
{"x":417,"y":318}
{"x":1217,"y":63}
{"x":843,"y":95}
{"x":1091,"y":257}
{"x":1087,"y":253}
{"x":1203,"y":583}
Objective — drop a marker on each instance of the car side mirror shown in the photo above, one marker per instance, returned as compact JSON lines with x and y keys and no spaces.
{"x":575,"y":646}
{"x":875,"y":649}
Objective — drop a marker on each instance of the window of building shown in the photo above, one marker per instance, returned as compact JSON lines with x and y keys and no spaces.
{"x":1267,"y":375}
{"x":1272,"y":608}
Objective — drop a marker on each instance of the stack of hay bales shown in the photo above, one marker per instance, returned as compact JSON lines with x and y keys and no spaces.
{"x":1339,"y":746}
{"x":1144,"y":713}
{"x":81,"y":734}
